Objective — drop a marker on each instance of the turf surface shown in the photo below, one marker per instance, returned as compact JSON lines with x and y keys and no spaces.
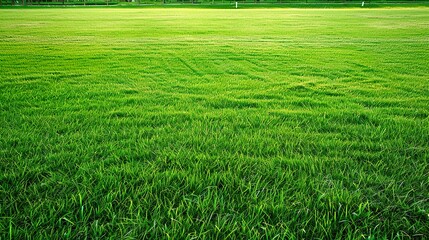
{"x":193,"y":123}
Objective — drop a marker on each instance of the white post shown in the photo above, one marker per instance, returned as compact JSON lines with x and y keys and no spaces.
{"x":236,"y":4}
{"x":363,"y":3}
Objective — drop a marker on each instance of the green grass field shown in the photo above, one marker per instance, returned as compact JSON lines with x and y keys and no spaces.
{"x":214,"y":124}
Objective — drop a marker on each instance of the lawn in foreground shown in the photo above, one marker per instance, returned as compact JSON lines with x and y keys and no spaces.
{"x":183,"y":123}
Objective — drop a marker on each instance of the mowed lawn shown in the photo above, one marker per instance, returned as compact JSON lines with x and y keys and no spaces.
{"x":214,"y":124}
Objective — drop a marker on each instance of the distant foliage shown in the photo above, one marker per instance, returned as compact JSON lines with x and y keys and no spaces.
{"x":194,"y":2}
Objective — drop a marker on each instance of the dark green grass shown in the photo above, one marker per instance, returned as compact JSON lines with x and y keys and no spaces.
{"x":248,"y":124}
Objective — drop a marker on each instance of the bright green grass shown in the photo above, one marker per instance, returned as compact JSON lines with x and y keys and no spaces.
{"x":192,"y":123}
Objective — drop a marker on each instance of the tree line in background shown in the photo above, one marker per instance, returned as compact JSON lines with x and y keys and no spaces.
{"x":136,"y":2}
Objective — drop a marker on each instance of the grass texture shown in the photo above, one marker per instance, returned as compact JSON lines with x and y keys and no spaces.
{"x":214,"y":124}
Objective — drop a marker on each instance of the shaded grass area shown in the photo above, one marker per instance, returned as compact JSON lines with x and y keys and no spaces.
{"x":149,"y":123}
